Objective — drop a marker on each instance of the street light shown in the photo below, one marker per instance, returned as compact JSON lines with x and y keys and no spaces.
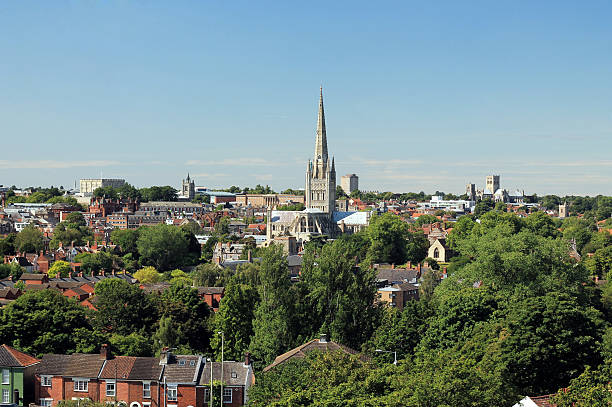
{"x":222,"y":339}
{"x":210,"y":392}
{"x":389,"y":351}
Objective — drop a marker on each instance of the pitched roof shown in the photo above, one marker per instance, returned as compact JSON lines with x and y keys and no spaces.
{"x":75,"y":365}
{"x":119,"y":367}
{"x":145,"y":368}
{"x":32,"y":276}
{"x":181,"y":370}
{"x":234,"y":373}
{"x":11,"y":357}
{"x":313,"y":345}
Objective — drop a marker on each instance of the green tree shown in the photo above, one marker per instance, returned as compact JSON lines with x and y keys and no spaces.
{"x":592,"y":388}
{"x":187,"y":315}
{"x":483,"y":206}
{"x":272,"y":324}
{"x":45,"y":321}
{"x":29,"y":240}
{"x":541,"y":224}
{"x":387,"y":234}
{"x":13,"y":270}
{"x":7,"y":245}
{"x":235,"y":319}
{"x":208,"y":275}
{"x":147,"y":275}
{"x":163,"y":247}
{"x":340,"y":194}
{"x":134,"y":344}
{"x":59,"y":269}
{"x":126,"y":240}
{"x":122,"y":308}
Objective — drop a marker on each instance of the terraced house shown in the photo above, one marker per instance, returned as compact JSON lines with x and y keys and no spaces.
{"x":16,"y":377}
{"x":168,"y":381}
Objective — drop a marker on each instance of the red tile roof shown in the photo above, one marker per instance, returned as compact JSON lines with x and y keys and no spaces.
{"x":22,"y":358}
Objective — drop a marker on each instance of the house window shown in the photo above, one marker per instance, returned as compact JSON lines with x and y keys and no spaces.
{"x":146,"y":390}
{"x":234,"y":374}
{"x":207,"y":395}
{"x":181,"y":363}
{"x":45,"y":381}
{"x":6,"y":396}
{"x":110,"y":388}
{"x":5,"y":376}
{"x":436,"y":253}
{"x":45,"y":402}
{"x":227,"y":395}
{"x":81,"y":385}
{"x":172,"y":393}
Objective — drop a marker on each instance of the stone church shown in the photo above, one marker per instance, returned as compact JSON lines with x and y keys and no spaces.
{"x":320,"y":216}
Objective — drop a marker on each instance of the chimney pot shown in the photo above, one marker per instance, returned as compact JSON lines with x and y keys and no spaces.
{"x":105,"y":352}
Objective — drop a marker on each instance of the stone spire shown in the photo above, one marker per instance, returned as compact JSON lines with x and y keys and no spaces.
{"x":321,"y":143}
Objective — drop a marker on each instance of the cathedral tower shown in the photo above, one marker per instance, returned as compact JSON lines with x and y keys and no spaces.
{"x":320,"y":173}
{"x":188,"y":188}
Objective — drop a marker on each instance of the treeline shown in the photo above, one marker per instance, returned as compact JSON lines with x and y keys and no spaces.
{"x":517,"y":316}
{"x":50,"y":195}
{"x":127,"y":191}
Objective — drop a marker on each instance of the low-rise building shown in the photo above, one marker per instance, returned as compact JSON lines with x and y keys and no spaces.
{"x":16,"y":377}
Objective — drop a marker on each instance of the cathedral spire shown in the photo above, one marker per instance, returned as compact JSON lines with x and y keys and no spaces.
{"x":321,"y":142}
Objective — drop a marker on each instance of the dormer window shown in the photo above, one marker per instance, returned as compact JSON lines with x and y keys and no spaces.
{"x":234,"y":374}
{"x":181,"y":363}
{"x":192,"y":363}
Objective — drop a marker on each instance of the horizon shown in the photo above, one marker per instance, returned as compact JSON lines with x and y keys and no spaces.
{"x":418,"y":98}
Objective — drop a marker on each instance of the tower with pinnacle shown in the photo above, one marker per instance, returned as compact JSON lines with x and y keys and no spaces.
{"x":321,"y":173}
{"x":188,"y":188}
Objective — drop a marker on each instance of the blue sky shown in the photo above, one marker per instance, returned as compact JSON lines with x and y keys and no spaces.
{"x":418,"y":95}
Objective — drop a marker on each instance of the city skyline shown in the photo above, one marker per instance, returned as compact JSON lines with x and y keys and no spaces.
{"x":418,"y":97}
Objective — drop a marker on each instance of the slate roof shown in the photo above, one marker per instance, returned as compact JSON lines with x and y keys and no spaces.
{"x":176,"y":372}
{"x":75,"y":365}
{"x":32,"y":276}
{"x":210,"y":290}
{"x":397,"y":276}
{"x":313,"y":345}
{"x":145,"y":368}
{"x":234,"y":373}
{"x":11,"y":357}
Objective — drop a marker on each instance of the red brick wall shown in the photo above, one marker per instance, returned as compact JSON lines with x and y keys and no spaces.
{"x":63,"y":389}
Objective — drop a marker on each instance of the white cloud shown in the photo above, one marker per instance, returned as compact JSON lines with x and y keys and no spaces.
{"x":46,"y":164}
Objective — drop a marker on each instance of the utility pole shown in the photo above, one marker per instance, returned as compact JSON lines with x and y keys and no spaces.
{"x":222,"y":339}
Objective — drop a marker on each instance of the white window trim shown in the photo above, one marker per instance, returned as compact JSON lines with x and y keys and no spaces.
{"x":6,"y":373}
{"x":76,"y":380}
{"x":43,"y":380}
{"x":231,"y":395}
{"x":6,"y":396}
{"x":175,"y":391}
{"x":107,"y":382}
{"x":143,"y":390}
{"x":40,"y":401}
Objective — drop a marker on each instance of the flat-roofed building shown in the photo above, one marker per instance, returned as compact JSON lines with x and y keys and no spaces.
{"x":89,"y":185}
{"x":349,"y":183}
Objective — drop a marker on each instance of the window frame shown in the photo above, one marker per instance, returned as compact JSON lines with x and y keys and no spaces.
{"x":6,"y":396}
{"x":114,"y":386}
{"x":227,"y":391}
{"x":206,"y":395}
{"x":6,"y":376}
{"x":77,"y":381}
{"x":43,"y":402}
{"x":46,"y":380}
{"x":144,"y":390}
{"x":174,"y":391}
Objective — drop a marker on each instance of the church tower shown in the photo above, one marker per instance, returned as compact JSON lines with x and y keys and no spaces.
{"x":188,"y":188}
{"x":320,"y":173}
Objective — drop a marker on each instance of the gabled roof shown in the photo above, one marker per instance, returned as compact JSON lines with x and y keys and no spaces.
{"x":234,"y":373}
{"x":75,"y":365}
{"x":11,"y":357}
{"x":181,"y":370}
{"x":119,"y":367}
{"x":310,"y":346}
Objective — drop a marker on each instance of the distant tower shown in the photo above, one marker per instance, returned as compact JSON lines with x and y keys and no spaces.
{"x":470,"y":191}
{"x":349,"y":183}
{"x":563,"y":210}
{"x":320,"y":173}
{"x":188,"y":190}
{"x":492,"y":183}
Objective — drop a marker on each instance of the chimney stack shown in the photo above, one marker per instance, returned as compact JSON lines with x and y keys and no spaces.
{"x":105,"y":352}
{"x":250,"y":257}
{"x":323,"y":338}
{"x":166,"y":356}
{"x":247,"y":358}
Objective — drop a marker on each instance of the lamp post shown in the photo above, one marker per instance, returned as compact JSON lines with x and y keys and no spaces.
{"x":210,"y":392}
{"x":222,"y":339}
{"x":389,"y":351}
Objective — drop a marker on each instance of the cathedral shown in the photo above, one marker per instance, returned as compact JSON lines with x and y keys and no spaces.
{"x":320,"y":216}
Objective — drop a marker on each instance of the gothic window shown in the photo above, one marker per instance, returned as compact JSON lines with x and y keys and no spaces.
{"x":436,"y":253}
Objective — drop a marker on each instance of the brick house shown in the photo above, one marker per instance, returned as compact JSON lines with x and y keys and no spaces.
{"x":237,"y":378}
{"x":181,"y":376}
{"x":16,"y":377}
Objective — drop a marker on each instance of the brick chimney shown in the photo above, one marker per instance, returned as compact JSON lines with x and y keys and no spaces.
{"x":165,"y":357}
{"x":247,"y":358}
{"x":409,"y":265}
{"x":105,"y":352}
